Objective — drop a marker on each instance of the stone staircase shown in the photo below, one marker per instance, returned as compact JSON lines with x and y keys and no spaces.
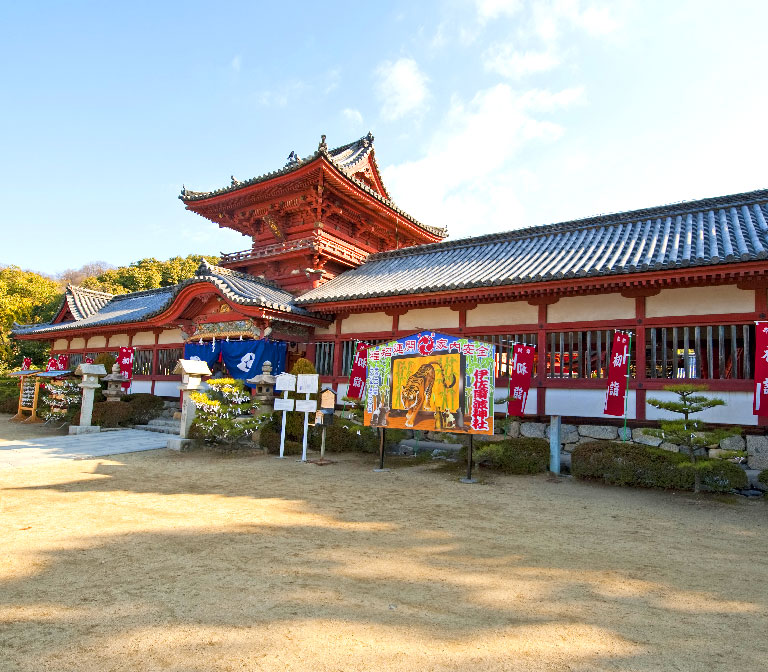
{"x":168,"y":422}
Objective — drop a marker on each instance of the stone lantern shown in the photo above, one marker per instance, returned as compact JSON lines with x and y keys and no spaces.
{"x":91,"y":374}
{"x":114,"y":382}
{"x":263,"y":385}
{"x":192,"y":372}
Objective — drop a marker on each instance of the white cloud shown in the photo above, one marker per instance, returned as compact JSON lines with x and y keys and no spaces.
{"x":467,"y":177}
{"x":598,"y":21}
{"x":539,"y":38}
{"x":506,"y":61}
{"x":546,"y":101}
{"x":352,"y":115}
{"x":401,"y":88}
{"x":492,"y":9}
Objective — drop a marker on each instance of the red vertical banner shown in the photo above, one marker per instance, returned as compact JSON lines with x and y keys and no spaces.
{"x":125,"y":360}
{"x":63,"y":362}
{"x":760,"y":405}
{"x":617,"y":375}
{"x":358,"y":375}
{"x":53,"y":364}
{"x":520,"y":378}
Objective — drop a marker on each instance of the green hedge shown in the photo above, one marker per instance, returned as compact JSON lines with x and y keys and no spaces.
{"x":626,"y":464}
{"x":339,"y":438}
{"x":144,"y":407}
{"x":514,"y":456}
{"x":763,"y":477}
{"x":132,"y":409}
{"x":9,"y":395}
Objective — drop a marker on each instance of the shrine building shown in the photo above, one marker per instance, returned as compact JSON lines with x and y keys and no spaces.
{"x":333,"y":261}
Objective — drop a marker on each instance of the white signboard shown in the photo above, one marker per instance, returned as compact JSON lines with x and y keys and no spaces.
{"x":306,"y":405}
{"x":283,"y":404}
{"x":285,"y":381}
{"x":307,"y":383}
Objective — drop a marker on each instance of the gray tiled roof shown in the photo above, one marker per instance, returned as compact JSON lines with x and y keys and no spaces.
{"x":344,"y":158}
{"x":239,"y":288}
{"x":697,"y":233}
{"x":84,"y":302}
{"x":245,"y":289}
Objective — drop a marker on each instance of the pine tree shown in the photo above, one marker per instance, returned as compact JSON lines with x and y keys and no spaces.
{"x":690,"y":433}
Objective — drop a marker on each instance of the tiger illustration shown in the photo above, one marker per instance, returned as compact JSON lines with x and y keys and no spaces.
{"x":417,"y":391}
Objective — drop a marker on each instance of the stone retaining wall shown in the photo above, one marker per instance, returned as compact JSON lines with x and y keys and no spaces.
{"x":572,"y":435}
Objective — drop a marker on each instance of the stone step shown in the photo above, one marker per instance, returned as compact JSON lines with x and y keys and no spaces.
{"x":163,"y":421}
{"x":159,"y":429}
{"x":429,"y":446}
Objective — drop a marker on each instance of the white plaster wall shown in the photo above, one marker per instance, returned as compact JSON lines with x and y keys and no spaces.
{"x":77,"y":343}
{"x":143,"y":338}
{"x":166,"y":388}
{"x":364,"y":322}
{"x":507,"y":312}
{"x":171,"y":336}
{"x":700,"y":301}
{"x":118,"y":341}
{"x":428,"y":318}
{"x":97,"y":342}
{"x":324,"y":331}
{"x":60,"y":344}
{"x":737,"y":409}
{"x":583,"y":403}
{"x":141,"y":387}
{"x":592,"y":307}
{"x":500,"y":395}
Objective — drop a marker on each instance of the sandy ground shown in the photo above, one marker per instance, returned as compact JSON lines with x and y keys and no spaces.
{"x":166,"y":561}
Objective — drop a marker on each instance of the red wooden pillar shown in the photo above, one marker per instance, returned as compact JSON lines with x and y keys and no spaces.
{"x":541,"y":352}
{"x":311,"y":351}
{"x":640,"y":358}
{"x":761,"y":310}
{"x":337,"y":346}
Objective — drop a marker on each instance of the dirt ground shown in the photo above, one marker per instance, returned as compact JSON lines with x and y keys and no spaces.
{"x":166,"y":561}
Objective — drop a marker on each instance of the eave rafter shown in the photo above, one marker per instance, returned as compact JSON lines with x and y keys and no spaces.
{"x":746,"y":276}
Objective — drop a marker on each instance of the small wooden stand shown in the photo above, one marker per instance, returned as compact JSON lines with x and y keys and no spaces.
{"x":29,"y":391}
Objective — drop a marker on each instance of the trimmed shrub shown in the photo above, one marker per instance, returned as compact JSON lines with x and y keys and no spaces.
{"x":626,"y":464}
{"x":9,"y":395}
{"x":132,"y":409}
{"x":270,"y":439}
{"x":514,"y":456}
{"x":144,"y":407}
{"x":112,"y":414}
{"x":763,"y":477}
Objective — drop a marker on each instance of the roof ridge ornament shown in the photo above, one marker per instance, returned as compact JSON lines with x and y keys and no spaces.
{"x":322,"y":146}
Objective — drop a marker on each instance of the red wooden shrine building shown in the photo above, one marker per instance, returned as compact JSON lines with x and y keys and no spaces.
{"x":333,"y":260}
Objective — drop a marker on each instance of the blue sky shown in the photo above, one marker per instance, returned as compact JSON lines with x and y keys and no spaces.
{"x":488,"y":115}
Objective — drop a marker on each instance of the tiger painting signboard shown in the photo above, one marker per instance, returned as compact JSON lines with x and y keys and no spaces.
{"x":431,"y":381}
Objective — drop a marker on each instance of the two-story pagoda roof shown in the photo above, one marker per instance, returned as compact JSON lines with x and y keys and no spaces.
{"x":345,"y":161}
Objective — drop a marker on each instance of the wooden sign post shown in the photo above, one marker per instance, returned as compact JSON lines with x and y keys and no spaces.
{"x":306,"y":383}
{"x":325,"y":415}
{"x":29,"y":392}
{"x":285,"y":383}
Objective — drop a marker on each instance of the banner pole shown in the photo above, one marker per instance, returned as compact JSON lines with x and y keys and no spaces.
{"x":626,"y":393}
{"x":469,"y":478}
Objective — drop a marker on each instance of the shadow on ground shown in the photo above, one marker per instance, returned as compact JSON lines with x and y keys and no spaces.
{"x":199,"y":563}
